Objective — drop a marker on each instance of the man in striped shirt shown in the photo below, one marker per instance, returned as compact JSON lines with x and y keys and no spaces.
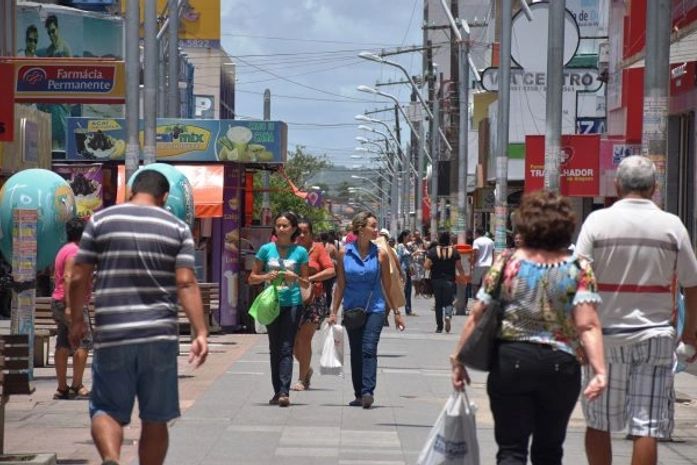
{"x":638,"y":253}
{"x":144,"y":257}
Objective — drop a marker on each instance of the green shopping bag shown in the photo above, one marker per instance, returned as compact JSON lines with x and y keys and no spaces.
{"x":266,"y":307}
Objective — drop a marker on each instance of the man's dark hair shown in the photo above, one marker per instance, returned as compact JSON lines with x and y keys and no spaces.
{"x":479,"y":231}
{"x":150,"y":182}
{"x":74,"y":228}
{"x":31,"y":28}
{"x":52,"y":19}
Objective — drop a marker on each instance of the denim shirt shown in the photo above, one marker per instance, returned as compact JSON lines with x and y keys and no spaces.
{"x":363,"y":285}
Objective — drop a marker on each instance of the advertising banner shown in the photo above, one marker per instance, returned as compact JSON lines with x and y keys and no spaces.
{"x":182,"y":140}
{"x":24,"y":250}
{"x":87,"y":183}
{"x":580,"y":175}
{"x":7,"y":105}
{"x":199,"y":22}
{"x":49,"y":31}
{"x":69,"y":81}
{"x":230,"y":272}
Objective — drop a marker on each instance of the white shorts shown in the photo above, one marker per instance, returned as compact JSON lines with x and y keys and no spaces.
{"x":639,"y":394}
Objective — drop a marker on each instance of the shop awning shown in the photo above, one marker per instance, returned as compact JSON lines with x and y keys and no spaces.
{"x":207,"y":184}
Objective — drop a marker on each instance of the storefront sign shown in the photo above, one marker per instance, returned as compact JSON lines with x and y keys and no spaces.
{"x":230,"y":272}
{"x":683,"y":77}
{"x":69,"y":81}
{"x":183,"y":140}
{"x":612,"y":152}
{"x":87,"y":183}
{"x":7,"y":105}
{"x":579,"y":164}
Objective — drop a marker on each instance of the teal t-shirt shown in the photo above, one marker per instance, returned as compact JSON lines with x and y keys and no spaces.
{"x":289,"y":294}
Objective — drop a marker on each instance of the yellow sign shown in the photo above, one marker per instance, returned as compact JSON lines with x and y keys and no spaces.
{"x":199,"y":24}
{"x":180,"y":139}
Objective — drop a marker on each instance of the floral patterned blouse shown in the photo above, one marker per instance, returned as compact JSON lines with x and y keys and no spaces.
{"x":538,"y":299}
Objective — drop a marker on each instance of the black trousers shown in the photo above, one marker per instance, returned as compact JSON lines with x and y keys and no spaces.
{"x":281,"y":341}
{"x":444,"y":294}
{"x":532,"y":392}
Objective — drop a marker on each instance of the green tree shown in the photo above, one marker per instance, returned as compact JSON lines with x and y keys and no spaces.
{"x":300,"y":167}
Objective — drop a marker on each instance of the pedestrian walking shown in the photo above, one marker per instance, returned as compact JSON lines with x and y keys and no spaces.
{"x":330,"y":243}
{"x":396,"y":289}
{"x":638,"y":253}
{"x":483,"y":257}
{"x":405,"y":259}
{"x":283,"y":263}
{"x":443,"y":261}
{"x":549,"y":324}
{"x":320,"y":269}
{"x":144,"y":257}
{"x":418,"y":256}
{"x":60,"y":309}
{"x":363,"y":280}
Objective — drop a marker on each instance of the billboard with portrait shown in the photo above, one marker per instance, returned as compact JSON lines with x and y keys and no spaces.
{"x":53,"y":31}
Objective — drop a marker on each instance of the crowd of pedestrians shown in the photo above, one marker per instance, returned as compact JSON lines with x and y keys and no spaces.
{"x":597,"y":319}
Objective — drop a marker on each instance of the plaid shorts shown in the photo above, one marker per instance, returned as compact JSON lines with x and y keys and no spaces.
{"x":639,"y":393}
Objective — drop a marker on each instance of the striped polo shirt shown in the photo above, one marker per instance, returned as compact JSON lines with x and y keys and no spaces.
{"x":637,"y":250}
{"x":136,"y":250}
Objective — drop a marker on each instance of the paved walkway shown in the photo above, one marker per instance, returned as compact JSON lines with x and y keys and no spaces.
{"x":226,"y":419}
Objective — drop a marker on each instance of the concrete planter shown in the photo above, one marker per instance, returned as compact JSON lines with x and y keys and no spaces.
{"x":28,"y":459}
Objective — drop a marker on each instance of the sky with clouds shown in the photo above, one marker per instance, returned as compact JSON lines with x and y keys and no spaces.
{"x":305,"y":52}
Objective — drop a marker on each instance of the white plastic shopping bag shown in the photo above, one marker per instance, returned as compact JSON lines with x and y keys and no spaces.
{"x":453,"y":439}
{"x":259,"y":328}
{"x":331,"y":361}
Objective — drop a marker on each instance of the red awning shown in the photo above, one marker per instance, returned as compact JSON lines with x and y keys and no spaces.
{"x":206,"y":182}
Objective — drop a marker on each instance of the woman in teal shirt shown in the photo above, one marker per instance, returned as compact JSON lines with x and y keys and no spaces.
{"x":283,"y":263}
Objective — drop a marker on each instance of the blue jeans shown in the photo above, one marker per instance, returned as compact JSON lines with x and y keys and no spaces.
{"x":364,"y":353}
{"x":407,"y":293}
{"x":281,"y":341}
{"x":147,"y":371}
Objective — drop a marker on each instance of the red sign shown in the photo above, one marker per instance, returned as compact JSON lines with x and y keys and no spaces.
{"x":69,"y":81}
{"x":683,"y":77}
{"x":580,"y":175}
{"x":7,"y":102}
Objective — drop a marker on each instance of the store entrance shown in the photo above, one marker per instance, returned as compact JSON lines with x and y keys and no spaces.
{"x":681,"y":171}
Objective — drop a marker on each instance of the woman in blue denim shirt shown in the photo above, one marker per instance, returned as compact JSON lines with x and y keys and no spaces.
{"x":285,"y":264}
{"x":363,"y":280}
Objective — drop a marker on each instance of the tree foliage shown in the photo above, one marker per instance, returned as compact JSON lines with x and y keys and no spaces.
{"x":300,"y":167}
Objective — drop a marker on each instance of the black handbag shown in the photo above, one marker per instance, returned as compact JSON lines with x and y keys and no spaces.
{"x":354,"y":318}
{"x":479,"y":350}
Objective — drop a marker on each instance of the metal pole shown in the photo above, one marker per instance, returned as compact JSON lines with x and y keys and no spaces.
{"x":394,"y":203}
{"x":555,"y":77}
{"x":173,"y":59}
{"x":7,"y":33}
{"x":502,"y":118}
{"x":132,"y":53}
{"x":463,"y":139}
{"x":401,"y":164}
{"x":435,"y":156}
{"x":421,"y":159}
{"x":656,"y":72}
{"x":161,"y":71}
{"x":150,"y":91}
{"x":265,"y":178}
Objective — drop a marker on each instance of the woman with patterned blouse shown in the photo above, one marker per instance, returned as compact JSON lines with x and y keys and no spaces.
{"x":549,"y":327}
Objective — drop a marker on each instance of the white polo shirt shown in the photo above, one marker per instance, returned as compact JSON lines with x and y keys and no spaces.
{"x":637,"y":250}
{"x":485,"y":251}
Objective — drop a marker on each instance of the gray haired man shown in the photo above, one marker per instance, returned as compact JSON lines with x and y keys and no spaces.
{"x":638,"y":253}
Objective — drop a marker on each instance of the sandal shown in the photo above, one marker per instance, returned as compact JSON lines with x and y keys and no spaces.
{"x":62,"y":394}
{"x":299,"y":386}
{"x":308,"y":377}
{"x":79,"y":392}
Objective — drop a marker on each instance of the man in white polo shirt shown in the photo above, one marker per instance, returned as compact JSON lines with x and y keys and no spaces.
{"x":483,"y":258}
{"x":638,"y":253}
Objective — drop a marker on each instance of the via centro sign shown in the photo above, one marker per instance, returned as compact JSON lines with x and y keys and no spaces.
{"x":575,"y":80}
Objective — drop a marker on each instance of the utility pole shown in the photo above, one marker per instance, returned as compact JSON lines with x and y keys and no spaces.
{"x":421,"y":161}
{"x":502,"y":119}
{"x":7,"y":28}
{"x":161,"y":71}
{"x":173,"y":59}
{"x":150,"y":91}
{"x":555,"y":77}
{"x":132,"y":87}
{"x":265,"y":177}
{"x":413,"y":159}
{"x":656,"y":72}
{"x":435,"y":158}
